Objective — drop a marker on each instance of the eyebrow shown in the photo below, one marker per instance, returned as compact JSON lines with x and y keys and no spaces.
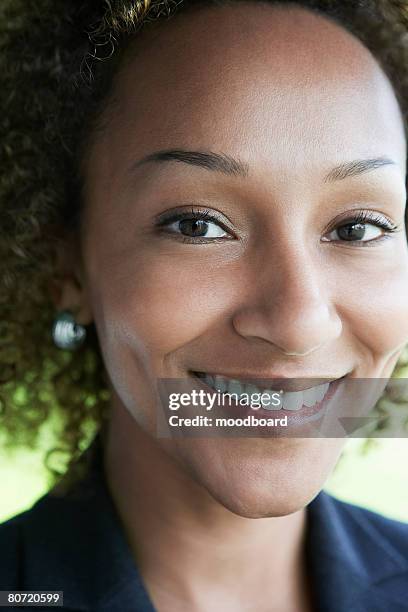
{"x":216,"y":162}
{"x":356,"y":167}
{"x":225,"y":164}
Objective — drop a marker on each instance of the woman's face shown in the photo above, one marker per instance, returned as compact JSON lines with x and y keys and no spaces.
{"x":272,"y":289}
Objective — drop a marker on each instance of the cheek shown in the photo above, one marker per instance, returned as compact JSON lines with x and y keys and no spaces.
{"x":374,"y":305}
{"x":161,"y":303}
{"x":145,"y":308}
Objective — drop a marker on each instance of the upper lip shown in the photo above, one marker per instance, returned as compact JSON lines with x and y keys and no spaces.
{"x":285,"y":383}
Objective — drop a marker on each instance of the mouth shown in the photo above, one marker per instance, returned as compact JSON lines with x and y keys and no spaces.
{"x":296,"y":395}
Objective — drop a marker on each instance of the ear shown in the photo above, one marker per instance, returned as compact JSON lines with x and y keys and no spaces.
{"x":68,"y":288}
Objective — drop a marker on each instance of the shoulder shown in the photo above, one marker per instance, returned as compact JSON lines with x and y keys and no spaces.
{"x":43,"y":534}
{"x":358,"y":558}
{"x":10,"y":559}
{"x":14,"y":537}
{"x":74,"y":544}
{"x":360,"y":531}
{"x":368,"y":521}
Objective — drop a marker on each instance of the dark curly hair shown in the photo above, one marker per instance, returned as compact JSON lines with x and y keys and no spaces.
{"x":58,"y":61}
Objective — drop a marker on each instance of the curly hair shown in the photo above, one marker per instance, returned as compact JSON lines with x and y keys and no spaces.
{"x":58,"y":61}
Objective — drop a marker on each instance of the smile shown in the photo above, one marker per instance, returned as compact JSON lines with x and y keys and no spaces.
{"x":289,"y":400}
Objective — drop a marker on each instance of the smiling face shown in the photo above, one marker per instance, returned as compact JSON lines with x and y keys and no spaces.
{"x":231,"y":253}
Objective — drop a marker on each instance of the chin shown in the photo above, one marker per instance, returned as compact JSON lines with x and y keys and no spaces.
{"x":258,"y":478}
{"x":259,"y":502}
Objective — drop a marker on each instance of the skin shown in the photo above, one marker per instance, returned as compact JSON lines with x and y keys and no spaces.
{"x":293,"y":101}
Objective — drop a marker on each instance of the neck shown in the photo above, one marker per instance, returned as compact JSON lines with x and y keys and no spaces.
{"x":185,"y":543}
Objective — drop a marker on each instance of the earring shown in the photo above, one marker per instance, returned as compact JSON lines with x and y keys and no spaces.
{"x":66,"y":333}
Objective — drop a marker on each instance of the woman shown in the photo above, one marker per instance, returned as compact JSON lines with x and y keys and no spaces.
{"x":213,"y":198}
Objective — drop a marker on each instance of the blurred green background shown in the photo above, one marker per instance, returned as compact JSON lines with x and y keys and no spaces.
{"x":376,"y":478}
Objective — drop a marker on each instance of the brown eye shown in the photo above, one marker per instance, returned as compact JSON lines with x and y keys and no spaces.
{"x":356,"y":232}
{"x":352,"y":231}
{"x":193,"y":227}
{"x":362,"y":227}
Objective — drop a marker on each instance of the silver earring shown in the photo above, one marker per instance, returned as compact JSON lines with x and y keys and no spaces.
{"x":66,"y":333}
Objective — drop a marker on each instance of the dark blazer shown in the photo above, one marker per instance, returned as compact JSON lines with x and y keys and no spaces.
{"x":358,"y":559}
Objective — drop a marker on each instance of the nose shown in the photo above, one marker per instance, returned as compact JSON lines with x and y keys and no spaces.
{"x":290,"y":306}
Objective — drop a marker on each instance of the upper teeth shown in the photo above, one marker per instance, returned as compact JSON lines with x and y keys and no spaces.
{"x":289,"y":400}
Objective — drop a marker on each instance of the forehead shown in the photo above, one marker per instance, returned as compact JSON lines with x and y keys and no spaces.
{"x":254,"y":79}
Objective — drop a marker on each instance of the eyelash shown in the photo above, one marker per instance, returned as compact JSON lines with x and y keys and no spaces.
{"x":359,"y":217}
{"x":367,"y":217}
{"x":197,"y":215}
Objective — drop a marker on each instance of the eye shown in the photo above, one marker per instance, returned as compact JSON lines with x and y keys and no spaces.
{"x":197,"y":228}
{"x":363,"y":227}
{"x":194,"y":226}
{"x":356,"y":231}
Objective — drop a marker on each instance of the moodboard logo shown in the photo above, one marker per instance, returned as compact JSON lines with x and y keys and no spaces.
{"x":211,"y":406}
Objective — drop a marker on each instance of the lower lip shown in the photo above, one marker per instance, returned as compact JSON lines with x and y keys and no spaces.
{"x":304,"y":415}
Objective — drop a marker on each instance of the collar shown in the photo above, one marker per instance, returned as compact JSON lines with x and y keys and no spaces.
{"x":354,"y":558}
